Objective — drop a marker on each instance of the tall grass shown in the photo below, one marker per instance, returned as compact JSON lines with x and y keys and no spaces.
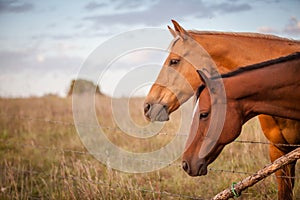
{"x":42,"y":157}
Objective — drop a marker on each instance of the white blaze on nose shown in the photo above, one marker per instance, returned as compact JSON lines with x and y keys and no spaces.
{"x":195,"y":109}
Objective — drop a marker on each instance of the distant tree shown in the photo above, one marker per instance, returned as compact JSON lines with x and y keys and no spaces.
{"x":83,"y":86}
{"x":50,"y":95}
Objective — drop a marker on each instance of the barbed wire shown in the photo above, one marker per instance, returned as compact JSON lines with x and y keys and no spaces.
{"x":78,"y":152}
{"x":116,"y":186}
{"x":68,"y":123}
{"x":105,"y":184}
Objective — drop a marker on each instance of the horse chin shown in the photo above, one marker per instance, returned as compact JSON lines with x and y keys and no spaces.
{"x":158,"y":112}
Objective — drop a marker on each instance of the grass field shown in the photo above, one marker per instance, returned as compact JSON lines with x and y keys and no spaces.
{"x":42,"y":157}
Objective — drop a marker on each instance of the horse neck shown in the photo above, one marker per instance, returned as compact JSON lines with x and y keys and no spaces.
{"x":272,"y":90}
{"x":230,"y":50}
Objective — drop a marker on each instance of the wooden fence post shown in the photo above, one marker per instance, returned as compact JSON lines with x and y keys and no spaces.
{"x":259,"y":175}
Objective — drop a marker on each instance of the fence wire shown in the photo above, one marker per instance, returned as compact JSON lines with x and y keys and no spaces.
{"x":105,"y":184}
{"x":66,"y":123}
{"x":77,"y":152}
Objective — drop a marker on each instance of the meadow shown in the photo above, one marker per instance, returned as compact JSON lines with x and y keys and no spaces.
{"x":42,"y":157}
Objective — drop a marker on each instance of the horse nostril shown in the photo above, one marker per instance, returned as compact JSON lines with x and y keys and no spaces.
{"x":147,"y":107}
{"x":185,"y":166}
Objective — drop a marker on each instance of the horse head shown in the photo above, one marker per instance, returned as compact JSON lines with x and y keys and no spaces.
{"x":178,"y":77}
{"x":212,"y":127}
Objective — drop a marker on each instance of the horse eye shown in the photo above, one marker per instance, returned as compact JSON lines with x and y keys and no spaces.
{"x":174,"y":61}
{"x":204,"y":115}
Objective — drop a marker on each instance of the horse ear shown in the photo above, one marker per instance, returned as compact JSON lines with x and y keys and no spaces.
{"x":182,"y":32}
{"x":204,"y":75}
{"x":172,"y":31}
{"x":206,"y":79}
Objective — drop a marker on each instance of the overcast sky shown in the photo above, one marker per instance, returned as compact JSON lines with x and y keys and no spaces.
{"x":44,"y":43}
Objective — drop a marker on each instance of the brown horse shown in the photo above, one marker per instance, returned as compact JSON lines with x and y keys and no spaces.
{"x":244,"y":100}
{"x":228,"y":50}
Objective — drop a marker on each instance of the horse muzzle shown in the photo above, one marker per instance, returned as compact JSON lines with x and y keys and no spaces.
{"x":199,"y":170}
{"x":156,"y":112}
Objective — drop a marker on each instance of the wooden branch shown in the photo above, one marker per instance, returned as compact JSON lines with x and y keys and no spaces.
{"x":259,"y":175}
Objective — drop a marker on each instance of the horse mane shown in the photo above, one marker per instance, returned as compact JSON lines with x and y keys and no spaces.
{"x":240,"y":70}
{"x":247,"y":68}
{"x":243,"y":34}
{"x":198,"y":92}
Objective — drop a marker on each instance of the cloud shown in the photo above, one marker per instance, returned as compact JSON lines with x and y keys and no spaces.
{"x":162,"y":11}
{"x":94,"y":5}
{"x":53,"y":36}
{"x":131,"y":4}
{"x":30,"y":72}
{"x":30,"y":59}
{"x":117,"y":5}
{"x":231,"y":8}
{"x":83,"y":33}
{"x":15,"y":6}
{"x":266,"y":29}
{"x":293,"y":27}
{"x":28,"y":83}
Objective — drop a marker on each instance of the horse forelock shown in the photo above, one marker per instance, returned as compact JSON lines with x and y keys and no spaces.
{"x":173,"y":42}
{"x":199,"y":90}
{"x":196,"y":98}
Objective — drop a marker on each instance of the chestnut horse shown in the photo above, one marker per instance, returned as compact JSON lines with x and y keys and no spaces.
{"x":228,"y":51}
{"x":244,"y":100}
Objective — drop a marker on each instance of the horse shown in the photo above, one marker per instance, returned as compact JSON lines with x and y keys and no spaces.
{"x":228,"y":51}
{"x":244,"y":100}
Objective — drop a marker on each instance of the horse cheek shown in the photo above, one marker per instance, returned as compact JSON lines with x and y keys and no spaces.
{"x":232,"y":129}
{"x":237,"y":129}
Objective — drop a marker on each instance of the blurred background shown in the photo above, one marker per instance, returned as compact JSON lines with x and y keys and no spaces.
{"x":44,"y":45}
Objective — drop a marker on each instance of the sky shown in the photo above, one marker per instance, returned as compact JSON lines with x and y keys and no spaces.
{"x":44,"y":44}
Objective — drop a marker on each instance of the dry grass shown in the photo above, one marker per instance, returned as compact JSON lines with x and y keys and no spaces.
{"x":42,"y":157}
